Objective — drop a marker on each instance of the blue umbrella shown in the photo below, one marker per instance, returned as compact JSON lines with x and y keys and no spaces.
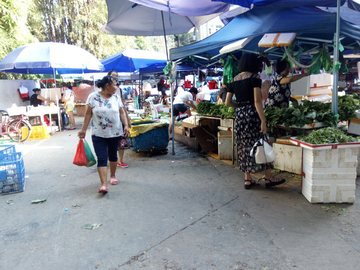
{"x":50,"y":58}
{"x":131,"y":60}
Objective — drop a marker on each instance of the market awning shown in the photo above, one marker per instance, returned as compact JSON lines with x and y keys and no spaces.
{"x":131,"y":60}
{"x":305,"y":21}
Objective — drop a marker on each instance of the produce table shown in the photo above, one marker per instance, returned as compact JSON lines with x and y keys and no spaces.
{"x":225,"y":125}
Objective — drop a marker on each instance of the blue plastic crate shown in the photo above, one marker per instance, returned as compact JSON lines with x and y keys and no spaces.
{"x":12,"y":174}
{"x":5,"y":150}
{"x":156,"y":139}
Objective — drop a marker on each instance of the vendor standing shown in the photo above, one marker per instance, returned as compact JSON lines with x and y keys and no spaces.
{"x":69,"y":105}
{"x":36,"y":99}
{"x":182,"y":103}
{"x":279,"y":92}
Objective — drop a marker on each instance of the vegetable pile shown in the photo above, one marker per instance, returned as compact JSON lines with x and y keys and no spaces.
{"x":326,"y":136}
{"x":207,"y":108}
{"x":312,"y":112}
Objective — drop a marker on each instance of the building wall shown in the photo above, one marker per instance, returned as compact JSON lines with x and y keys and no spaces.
{"x":9,"y":94}
{"x":208,"y":28}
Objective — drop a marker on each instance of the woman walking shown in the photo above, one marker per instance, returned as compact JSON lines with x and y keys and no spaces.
{"x":121,"y":146}
{"x":249,"y":117}
{"x":103,"y":109}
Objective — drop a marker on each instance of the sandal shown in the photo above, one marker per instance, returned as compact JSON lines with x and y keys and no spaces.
{"x":103,"y":190}
{"x":249,"y":186}
{"x":113,"y":181}
{"x":274,"y":183}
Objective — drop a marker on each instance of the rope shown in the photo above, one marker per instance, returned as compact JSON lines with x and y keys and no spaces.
{"x":297,"y":63}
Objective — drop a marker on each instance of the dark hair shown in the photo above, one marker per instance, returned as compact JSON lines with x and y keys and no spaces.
{"x":281,"y":65}
{"x":111,"y":71}
{"x":36,"y":89}
{"x":249,"y":62}
{"x":107,"y":79}
{"x":193,"y":90}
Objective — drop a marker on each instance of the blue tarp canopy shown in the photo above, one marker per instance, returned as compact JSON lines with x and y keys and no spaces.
{"x":131,"y":60}
{"x":159,"y":67}
{"x":307,"y":22}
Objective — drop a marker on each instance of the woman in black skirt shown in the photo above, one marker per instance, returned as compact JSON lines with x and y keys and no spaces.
{"x":249,"y":117}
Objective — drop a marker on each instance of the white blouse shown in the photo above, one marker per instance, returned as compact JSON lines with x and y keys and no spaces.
{"x":105,"y":122}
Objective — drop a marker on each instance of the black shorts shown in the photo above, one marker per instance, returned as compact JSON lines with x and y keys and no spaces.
{"x":179,"y":108}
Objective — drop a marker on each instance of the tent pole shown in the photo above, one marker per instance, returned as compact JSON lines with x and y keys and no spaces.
{"x":167,"y":54}
{"x":171,"y":90}
{"x":172,"y":117}
{"x":57,"y":102}
{"x":334,"y":102}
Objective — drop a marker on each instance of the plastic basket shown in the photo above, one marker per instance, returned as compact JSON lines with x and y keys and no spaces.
{"x":5,"y":150}
{"x":12,"y":174}
{"x":39,"y":132}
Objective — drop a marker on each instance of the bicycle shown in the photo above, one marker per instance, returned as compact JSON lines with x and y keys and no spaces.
{"x":17,"y":128}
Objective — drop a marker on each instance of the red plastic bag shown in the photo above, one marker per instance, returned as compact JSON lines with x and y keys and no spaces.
{"x":80,"y":156}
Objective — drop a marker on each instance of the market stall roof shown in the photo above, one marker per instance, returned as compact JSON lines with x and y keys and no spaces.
{"x":159,"y":67}
{"x":308,"y":22}
{"x":131,"y":60}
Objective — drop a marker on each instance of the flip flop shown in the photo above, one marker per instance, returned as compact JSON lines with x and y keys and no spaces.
{"x":103,"y":190}
{"x":113,"y":181}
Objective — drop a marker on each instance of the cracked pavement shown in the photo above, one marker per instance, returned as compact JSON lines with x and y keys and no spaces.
{"x":181,"y":212}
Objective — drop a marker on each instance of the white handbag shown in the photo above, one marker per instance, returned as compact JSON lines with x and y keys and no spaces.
{"x":262,"y":151}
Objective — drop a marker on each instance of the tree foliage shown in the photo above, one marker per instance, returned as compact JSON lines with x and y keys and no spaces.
{"x":79,"y":23}
{"x":67,"y":21}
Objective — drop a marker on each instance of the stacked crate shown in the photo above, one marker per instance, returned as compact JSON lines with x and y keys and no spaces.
{"x":12,"y":170}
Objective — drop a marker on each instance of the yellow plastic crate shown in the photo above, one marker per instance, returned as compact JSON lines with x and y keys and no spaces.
{"x":38,"y":132}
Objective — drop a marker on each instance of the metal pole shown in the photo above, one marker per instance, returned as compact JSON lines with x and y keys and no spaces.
{"x":171,"y":90}
{"x":172,"y":117}
{"x":57,"y":103}
{"x":167,"y":55}
{"x":334,"y":104}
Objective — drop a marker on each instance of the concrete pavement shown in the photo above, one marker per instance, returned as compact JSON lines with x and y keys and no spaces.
{"x":186,"y":211}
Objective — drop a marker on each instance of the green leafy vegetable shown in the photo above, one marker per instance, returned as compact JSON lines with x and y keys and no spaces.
{"x":326,"y":136}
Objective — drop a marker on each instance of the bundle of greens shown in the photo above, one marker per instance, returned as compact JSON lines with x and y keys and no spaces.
{"x":347,"y":106}
{"x":204,"y":107}
{"x":326,"y":136}
{"x":312,"y":112}
{"x":207,"y":108}
{"x":299,"y":115}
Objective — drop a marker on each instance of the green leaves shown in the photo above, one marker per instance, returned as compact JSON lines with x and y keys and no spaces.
{"x":326,"y":136}
{"x":207,"y":108}
{"x":312,"y":112}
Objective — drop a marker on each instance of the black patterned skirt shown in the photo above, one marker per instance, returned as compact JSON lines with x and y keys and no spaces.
{"x":247,"y":132}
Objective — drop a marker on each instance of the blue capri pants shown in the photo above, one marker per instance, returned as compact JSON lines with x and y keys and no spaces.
{"x":104,"y":148}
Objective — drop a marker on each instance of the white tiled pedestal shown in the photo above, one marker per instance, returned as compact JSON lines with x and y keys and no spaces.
{"x":329,"y":172}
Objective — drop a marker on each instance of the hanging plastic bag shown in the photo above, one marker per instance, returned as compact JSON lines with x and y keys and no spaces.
{"x":263,"y":151}
{"x":230,"y":70}
{"x":89,"y":155}
{"x":80,"y":156}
